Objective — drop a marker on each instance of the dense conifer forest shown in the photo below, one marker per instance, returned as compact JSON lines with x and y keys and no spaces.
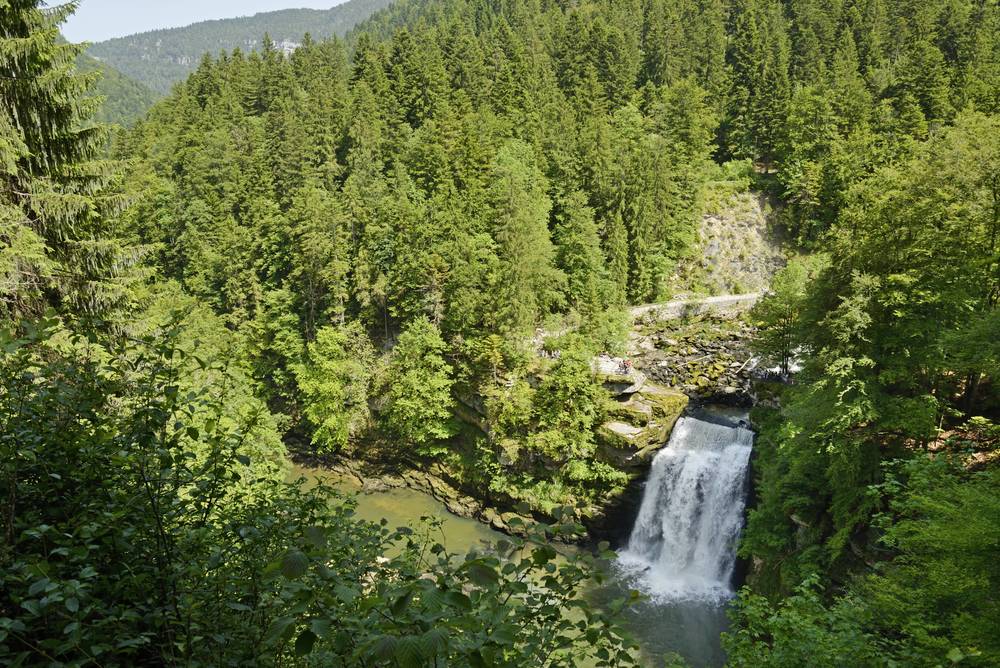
{"x":124,"y":101}
{"x":158,"y":59}
{"x":406,"y":247}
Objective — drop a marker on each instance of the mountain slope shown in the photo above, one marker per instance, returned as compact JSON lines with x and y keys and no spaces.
{"x":161,"y":58}
{"x":125,"y":100}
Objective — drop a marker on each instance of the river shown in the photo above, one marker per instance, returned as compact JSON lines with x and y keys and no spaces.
{"x":688,"y":628}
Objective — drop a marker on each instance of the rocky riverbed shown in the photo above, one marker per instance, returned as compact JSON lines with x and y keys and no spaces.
{"x":706,"y":357}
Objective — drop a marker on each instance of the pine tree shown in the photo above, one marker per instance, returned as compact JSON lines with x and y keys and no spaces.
{"x":849,"y":93}
{"x":321,"y":248}
{"x":760,"y":58}
{"x":616,"y":251}
{"x":770,"y":104}
{"x":981,"y":72}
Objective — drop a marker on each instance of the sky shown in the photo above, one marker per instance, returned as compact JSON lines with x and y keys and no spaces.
{"x":98,"y":20}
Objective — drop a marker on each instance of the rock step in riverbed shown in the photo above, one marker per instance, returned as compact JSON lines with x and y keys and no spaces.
{"x":642,"y":415}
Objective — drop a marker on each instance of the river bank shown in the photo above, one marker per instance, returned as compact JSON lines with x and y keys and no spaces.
{"x":434,"y":483}
{"x":665,"y":629}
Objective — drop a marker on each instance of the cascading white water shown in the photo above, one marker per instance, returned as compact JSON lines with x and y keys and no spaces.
{"x":683,"y":543}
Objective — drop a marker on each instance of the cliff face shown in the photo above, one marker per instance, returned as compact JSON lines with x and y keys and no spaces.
{"x":738,"y":249}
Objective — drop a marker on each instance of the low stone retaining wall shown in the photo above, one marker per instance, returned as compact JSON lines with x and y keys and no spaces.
{"x":723,"y":306}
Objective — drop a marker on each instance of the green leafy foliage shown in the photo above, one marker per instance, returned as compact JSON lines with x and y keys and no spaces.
{"x":146,"y":462}
{"x":171,"y":543}
{"x":934,"y":604}
{"x":569,"y":404}
{"x":779,"y":313}
{"x":418,"y":388}
{"x":335,"y":382}
{"x":883,"y":330}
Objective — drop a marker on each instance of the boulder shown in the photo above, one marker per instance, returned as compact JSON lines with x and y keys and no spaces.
{"x":667,"y":405}
{"x":636,"y":410}
{"x":372,"y":485}
{"x":640,"y":426}
{"x":620,"y":432}
{"x":463,"y":507}
{"x":620,"y":442}
{"x":611,"y":372}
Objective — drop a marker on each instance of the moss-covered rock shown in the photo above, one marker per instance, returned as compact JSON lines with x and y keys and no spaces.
{"x":618,"y":380}
{"x":667,"y":405}
{"x":635,"y":411}
{"x":620,"y":442}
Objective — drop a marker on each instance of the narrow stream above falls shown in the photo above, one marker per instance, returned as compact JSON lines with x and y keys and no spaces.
{"x":681,"y":549}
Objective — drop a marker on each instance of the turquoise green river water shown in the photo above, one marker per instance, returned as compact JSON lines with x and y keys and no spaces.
{"x":690,"y":630}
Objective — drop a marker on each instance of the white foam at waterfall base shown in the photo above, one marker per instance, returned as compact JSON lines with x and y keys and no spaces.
{"x":683,"y":543}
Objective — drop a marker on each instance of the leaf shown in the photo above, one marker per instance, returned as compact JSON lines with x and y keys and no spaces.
{"x":72,"y":604}
{"x":434,"y":643}
{"x":345,"y":594}
{"x":304,"y":643}
{"x":955,"y":655}
{"x":503,"y":635}
{"x":543,"y":555}
{"x":320,"y":626}
{"x":430,"y":596}
{"x":401,"y":603}
{"x":294,"y":565}
{"x":458,"y":600}
{"x":316,"y":536}
{"x":37,"y":586}
{"x":282,"y":626}
{"x":408,"y":653}
{"x":384,"y":648}
{"x":482,"y":575}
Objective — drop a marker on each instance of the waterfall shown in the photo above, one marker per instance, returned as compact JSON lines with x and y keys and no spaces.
{"x":683,"y":543}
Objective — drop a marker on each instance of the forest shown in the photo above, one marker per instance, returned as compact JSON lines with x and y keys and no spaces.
{"x":352,"y":251}
{"x":158,"y":59}
{"x":123,"y":101}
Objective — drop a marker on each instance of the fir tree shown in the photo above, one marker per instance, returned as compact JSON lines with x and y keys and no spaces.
{"x":57,"y":245}
{"x":418,"y":393}
{"x":529,"y":282}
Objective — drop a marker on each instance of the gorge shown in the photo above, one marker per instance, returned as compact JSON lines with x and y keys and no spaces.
{"x":483,"y":250}
{"x":680,"y":552}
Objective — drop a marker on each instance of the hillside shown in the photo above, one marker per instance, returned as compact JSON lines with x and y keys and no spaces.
{"x":161,"y":58}
{"x":125,"y":100}
{"x":465,"y":249}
